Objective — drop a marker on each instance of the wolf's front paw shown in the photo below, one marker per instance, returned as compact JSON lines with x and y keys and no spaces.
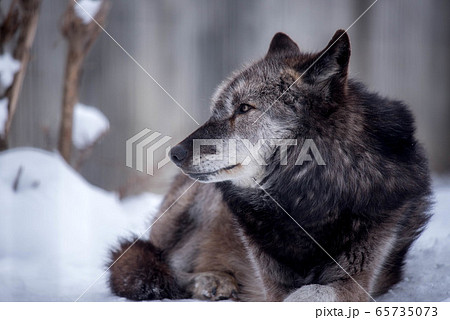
{"x":213,"y":286}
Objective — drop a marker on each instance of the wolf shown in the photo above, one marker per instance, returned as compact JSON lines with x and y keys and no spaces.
{"x":280,"y":231}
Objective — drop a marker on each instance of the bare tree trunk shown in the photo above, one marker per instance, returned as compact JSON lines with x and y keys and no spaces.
{"x":29,"y":16}
{"x":70,"y":97}
{"x":80,"y":37}
{"x":86,"y":152}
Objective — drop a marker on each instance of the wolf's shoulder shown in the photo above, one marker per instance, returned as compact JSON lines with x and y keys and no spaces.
{"x":388,"y":122}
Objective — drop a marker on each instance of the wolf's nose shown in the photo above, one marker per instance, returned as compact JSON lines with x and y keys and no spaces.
{"x":178,"y":154}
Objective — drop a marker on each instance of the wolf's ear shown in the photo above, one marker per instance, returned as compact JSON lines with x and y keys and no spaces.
{"x":333,"y":61}
{"x":282,"y":44}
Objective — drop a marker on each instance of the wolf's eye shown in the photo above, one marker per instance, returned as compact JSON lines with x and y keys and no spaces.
{"x":243,"y":108}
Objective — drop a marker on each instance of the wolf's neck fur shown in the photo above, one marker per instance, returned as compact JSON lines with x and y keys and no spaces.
{"x":334,"y":200}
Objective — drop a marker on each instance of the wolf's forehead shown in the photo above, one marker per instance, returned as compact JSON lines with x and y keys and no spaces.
{"x":234,"y":92}
{"x":241,"y":87}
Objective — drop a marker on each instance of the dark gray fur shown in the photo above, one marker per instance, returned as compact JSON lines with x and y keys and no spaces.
{"x":229,"y":239}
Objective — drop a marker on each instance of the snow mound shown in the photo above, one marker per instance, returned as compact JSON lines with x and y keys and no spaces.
{"x":8,"y":68}
{"x":56,"y":229}
{"x":89,"y":124}
{"x":85,"y":9}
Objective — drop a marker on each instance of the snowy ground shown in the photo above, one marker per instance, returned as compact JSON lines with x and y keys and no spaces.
{"x":56,"y":229}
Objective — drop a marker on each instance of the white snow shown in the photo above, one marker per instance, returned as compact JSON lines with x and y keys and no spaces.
{"x":8,"y":68}
{"x":427,"y":272}
{"x":89,"y":124}
{"x":3,"y":115}
{"x":56,"y":230}
{"x":85,"y":9}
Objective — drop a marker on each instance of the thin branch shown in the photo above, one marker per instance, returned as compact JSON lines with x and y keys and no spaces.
{"x":29,"y":16}
{"x":17,"y":179}
{"x":10,"y":24}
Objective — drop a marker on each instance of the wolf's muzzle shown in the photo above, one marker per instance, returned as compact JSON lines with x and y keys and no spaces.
{"x":178,"y":154}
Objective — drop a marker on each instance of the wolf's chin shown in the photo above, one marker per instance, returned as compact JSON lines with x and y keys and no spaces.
{"x":223,"y":174}
{"x":239,"y":175}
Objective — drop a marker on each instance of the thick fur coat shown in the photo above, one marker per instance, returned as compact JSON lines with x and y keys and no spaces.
{"x":337,"y":229}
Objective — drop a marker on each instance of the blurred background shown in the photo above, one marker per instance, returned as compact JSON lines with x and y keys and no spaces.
{"x":400,"y":49}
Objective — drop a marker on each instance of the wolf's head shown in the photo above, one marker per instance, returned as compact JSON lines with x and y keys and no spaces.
{"x":261,"y":110}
